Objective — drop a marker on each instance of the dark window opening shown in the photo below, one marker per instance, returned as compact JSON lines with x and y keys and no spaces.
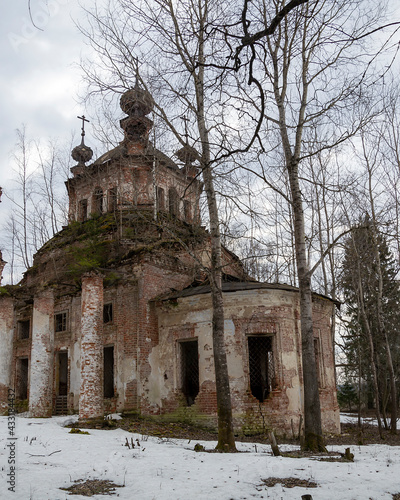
{"x":173,"y":202}
{"x":60,"y":322}
{"x":187,"y":211}
{"x":24,"y":328}
{"x":108,"y":313}
{"x":62,"y":373}
{"x":112,"y":200}
{"x":160,"y":199}
{"x":97,"y":201}
{"x":83,"y":208}
{"x":22,"y":378}
{"x":190,"y":370}
{"x":261,"y":366}
{"x":109,"y":372}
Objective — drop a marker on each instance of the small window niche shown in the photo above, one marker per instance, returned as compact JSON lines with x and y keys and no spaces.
{"x":24,"y":329}
{"x":97,"y":201}
{"x":112,"y":199}
{"x":173,"y":202}
{"x":60,"y":322}
{"x":189,"y":353}
{"x":108,"y":313}
{"x":83,"y":211}
{"x":261,"y":366}
{"x":109,"y":372}
{"x":160,"y":199}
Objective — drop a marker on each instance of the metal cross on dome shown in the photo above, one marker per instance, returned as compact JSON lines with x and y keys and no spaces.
{"x":185,"y":120}
{"x":83,"y":124}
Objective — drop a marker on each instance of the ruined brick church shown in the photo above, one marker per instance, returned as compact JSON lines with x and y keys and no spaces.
{"x":115,"y":313}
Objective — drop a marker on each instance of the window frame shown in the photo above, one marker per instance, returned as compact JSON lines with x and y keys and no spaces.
{"x":189,"y":395}
{"x":262,"y":392}
{"x":21,"y":329}
{"x":107,"y":305}
{"x":64,"y":321}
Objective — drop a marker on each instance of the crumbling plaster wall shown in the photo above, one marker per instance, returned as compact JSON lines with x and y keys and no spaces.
{"x":42,"y":355}
{"x":250,"y":312}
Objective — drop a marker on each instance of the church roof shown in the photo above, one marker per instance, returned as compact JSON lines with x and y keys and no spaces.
{"x":237,"y":286}
{"x":150,"y":152}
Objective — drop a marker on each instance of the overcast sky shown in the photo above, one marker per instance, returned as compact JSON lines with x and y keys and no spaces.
{"x":39,"y":78}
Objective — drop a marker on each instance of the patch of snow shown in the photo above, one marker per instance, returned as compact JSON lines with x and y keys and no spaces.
{"x":114,"y":416}
{"x":49,"y":457}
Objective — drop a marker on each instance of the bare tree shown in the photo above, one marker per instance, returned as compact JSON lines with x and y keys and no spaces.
{"x":311,"y":74}
{"x":37,"y":198}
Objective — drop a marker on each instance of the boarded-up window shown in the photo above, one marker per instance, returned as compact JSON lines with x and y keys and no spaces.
{"x":24,"y":328}
{"x":22,"y":378}
{"x":97,"y":204}
{"x":261,"y":366}
{"x":109,"y":372}
{"x":108,"y":313}
{"x":60,"y":322}
{"x":189,"y":370}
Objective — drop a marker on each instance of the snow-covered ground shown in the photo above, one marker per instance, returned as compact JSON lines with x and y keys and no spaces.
{"x":49,"y":457}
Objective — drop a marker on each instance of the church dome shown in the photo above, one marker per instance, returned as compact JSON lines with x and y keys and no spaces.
{"x":137,"y":102}
{"x":82,"y":153}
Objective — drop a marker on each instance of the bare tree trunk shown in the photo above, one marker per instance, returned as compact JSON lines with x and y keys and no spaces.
{"x":313,"y":439}
{"x":226,"y":440}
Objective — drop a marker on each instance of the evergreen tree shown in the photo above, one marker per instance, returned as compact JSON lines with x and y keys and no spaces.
{"x":360,"y":283}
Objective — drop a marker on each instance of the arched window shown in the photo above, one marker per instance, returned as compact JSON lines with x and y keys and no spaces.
{"x":173,"y":202}
{"x":97,"y":204}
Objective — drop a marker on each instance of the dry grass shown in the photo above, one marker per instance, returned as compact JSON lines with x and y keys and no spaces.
{"x":92,"y":487}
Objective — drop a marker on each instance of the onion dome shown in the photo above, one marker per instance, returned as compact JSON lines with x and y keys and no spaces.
{"x":82,"y":153}
{"x":136,"y":103}
{"x":187,"y":154}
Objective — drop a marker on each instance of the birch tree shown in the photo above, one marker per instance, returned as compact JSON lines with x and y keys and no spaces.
{"x":313,"y":74}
